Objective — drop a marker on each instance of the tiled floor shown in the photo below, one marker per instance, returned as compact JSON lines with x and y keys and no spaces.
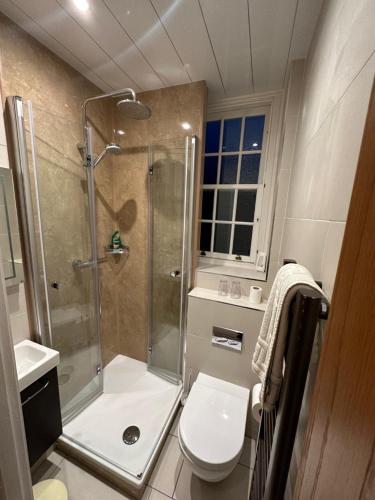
{"x":171,"y":477}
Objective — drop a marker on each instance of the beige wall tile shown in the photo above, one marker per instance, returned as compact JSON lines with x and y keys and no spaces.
{"x":338,"y":77}
{"x":331,"y":255}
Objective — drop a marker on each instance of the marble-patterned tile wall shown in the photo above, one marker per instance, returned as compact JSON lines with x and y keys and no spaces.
{"x":339,"y":74}
{"x":56,"y":90}
{"x":170,"y":107}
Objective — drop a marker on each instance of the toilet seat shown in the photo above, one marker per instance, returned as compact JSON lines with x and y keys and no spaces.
{"x":212,"y":426}
{"x":50,"y":489}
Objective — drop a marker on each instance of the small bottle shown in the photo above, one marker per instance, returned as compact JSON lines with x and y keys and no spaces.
{"x":116,"y":240}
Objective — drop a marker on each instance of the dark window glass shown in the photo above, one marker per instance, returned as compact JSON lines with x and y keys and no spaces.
{"x":210,"y":170}
{"x":206,"y":230}
{"x":222,"y":238}
{"x":207,"y":203}
{"x":250,"y":169}
{"x":232,"y":134}
{"x":228,"y":173}
{"x":246,"y":205}
{"x":224,"y":206}
{"x":242,"y":240}
{"x":253,"y":135}
{"x":212,"y":136}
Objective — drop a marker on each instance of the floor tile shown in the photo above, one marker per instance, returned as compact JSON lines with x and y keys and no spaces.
{"x":147,"y":493}
{"x":248,"y":453}
{"x":80,"y":484}
{"x":156,"y":495}
{"x":168,"y":467}
{"x":174,"y":428}
{"x":235,"y":486}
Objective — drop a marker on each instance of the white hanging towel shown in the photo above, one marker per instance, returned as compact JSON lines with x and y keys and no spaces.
{"x":269,"y":350}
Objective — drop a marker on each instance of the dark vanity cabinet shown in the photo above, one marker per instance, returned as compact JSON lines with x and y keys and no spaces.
{"x":41,"y":414}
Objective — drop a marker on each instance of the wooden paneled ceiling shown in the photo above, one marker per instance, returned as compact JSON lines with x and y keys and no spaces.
{"x":237,"y":46}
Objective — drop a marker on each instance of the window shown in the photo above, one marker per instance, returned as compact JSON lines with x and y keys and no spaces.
{"x":233,"y":185}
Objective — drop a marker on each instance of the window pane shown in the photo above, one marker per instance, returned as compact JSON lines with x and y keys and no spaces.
{"x":224,"y":207}
{"x":206,"y":231}
{"x":232,"y":134}
{"x":242,"y":240}
{"x":228,"y":173}
{"x":208,"y":203}
{"x":253,"y":135}
{"x":250,"y":169}
{"x":222,"y":238}
{"x":212,"y":136}
{"x":246,"y":205}
{"x":210,"y":170}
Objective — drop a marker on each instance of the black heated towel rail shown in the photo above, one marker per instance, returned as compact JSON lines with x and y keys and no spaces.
{"x":278,"y":427}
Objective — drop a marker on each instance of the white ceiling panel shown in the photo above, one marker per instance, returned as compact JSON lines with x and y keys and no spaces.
{"x":140,"y":21}
{"x":36,"y":31}
{"x":53,"y":19}
{"x":237,"y":47}
{"x":271,"y":28}
{"x":228,"y":28}
{"x":186,"y":28}
{"x":102,"y":27}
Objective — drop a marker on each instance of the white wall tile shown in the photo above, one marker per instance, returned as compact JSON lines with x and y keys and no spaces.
{"x":344,"y":142}
{"x":20,"y":327}
{"x":309,"y":175}
{"x":338,"y":77}
{"x":304,"y":241}
{"x":331,"y":255}
{"x":4,"y":162}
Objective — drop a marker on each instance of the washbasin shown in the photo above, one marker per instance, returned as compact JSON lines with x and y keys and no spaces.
{"x":33,"y":361}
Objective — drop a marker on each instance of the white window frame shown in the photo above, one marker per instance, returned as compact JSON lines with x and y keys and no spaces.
{"x":269,"y":104}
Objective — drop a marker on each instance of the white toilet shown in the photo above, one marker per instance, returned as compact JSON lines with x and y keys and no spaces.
{"x":211,"y":431}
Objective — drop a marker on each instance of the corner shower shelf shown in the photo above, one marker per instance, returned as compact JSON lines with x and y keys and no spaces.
{"x":117,"y":251}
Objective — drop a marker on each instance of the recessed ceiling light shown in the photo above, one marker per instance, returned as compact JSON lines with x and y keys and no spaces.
{"x":82,"y":5}
{"x":121,"y":132}
{"x":255,"y":144}
{"x":186,"y":125}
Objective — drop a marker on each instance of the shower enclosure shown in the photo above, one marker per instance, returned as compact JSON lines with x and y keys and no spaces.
{"x":57,"y":199}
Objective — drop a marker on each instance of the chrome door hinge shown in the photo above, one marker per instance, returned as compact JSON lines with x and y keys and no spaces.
{"x":99,"y":369}
{"x":150,"y":170}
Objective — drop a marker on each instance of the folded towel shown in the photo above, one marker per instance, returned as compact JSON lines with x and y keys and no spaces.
{"x":269,"y":351}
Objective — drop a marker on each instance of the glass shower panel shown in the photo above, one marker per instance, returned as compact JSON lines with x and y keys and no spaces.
{"x":169,"y":250}
{"x":59,"y":191}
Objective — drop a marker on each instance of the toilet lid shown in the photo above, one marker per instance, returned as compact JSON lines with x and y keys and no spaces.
{"x":50,"y":489}
{"x":212,"y":423}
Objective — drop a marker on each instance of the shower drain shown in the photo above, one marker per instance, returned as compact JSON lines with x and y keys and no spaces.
{"x":131,"y":434}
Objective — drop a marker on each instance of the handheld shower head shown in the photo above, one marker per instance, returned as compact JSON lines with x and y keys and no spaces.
{"x":111,"y":148}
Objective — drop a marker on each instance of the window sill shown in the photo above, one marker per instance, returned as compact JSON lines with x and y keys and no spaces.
{"x":245,"y":271}
{"x":204,"y":293}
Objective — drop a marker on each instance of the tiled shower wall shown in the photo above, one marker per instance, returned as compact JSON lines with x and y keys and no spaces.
{"x":126,"y":298}
{"x":338,"y":79}
{"x":30,"y":70}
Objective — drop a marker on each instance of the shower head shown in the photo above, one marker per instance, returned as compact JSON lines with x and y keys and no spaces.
{"x":132,"y":108}
{"x":111,"y":148}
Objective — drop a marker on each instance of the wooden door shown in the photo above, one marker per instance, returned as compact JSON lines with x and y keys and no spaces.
{"x":339,"y":462}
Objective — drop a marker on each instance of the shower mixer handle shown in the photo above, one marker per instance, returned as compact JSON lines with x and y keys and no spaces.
{"x":175,"y":274}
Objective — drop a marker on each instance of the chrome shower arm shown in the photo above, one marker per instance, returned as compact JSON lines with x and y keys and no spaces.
{"x":115,"y":93}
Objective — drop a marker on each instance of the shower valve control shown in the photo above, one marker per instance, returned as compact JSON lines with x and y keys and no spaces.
{"x":175,"y":274}
{"x":56,"y":285}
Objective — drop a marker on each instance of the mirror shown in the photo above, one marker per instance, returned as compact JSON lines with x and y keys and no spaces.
{"x":9,"y":230}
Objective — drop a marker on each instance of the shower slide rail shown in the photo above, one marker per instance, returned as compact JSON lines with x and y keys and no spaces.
{"x":278,"y":428}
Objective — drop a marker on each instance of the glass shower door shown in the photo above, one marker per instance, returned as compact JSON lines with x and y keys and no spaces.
{"x":60,"y":206}
{"x":171,"y":170}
